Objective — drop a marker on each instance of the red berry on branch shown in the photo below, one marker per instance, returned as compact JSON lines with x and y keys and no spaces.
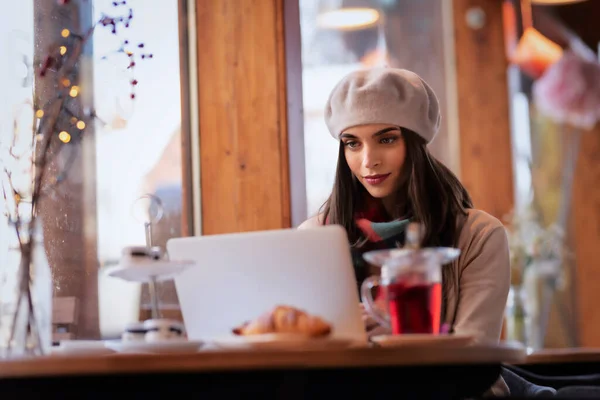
{"x":107,"y":21}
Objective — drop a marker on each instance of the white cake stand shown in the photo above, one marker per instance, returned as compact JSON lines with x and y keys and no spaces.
{"x":148,"y":264}
{"x":151,"y":271}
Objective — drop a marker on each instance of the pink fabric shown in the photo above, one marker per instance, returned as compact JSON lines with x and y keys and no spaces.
{"x":569,"y":91}
{"x":365,"y":226}
{"x":373,"y":212}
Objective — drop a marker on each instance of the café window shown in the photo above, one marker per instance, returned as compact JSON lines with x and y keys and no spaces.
{"x":339,"y":36}
{"x":130,"y":165}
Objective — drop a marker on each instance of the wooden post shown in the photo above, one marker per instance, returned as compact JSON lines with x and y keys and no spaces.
{"x":69,"y":212}
{"x":483,"y":106}
{"x":243,"y":113}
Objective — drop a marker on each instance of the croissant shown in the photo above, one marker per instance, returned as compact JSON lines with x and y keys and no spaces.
{"x":285,"y":319}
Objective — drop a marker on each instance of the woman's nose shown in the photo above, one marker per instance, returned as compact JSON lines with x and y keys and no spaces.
{"x":371,"y":158}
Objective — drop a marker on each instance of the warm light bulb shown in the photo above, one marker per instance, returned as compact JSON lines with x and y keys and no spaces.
{"x":348,"y":18}
{"x":74,"y":91}
{"x":65,"y":33}
{"x":80,"y":125}
{"x":63,"y":50}
{"x":39,"y":113}
{"x":64,"y":137}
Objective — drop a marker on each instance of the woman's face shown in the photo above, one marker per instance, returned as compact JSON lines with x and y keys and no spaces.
{"x":375,"y":154}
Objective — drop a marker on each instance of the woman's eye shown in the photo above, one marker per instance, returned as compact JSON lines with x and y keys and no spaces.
{"x":388,"y":140}
{"x":351,"y":144}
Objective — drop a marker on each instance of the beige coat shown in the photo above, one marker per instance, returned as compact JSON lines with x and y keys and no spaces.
{"x":476,"y":305}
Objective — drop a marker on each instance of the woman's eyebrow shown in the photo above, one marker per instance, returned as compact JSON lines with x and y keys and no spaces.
{"x":386,"y":130}
{"x":378,"y":133}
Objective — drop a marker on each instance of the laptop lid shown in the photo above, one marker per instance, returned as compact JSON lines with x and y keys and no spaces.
{"x":239,"y":276}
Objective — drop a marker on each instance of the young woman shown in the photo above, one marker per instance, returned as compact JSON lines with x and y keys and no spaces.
{"x":384,"y":118}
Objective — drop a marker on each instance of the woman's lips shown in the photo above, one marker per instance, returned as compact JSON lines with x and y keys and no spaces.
{"x":376,"y":179}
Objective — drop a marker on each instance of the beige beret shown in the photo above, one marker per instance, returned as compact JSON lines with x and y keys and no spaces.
{"x":383,"y":96}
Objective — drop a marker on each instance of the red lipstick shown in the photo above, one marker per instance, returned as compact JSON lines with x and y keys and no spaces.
{"x":376,"y":179}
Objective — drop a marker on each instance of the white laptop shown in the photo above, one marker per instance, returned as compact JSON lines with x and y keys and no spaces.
{"x":241,"y":275}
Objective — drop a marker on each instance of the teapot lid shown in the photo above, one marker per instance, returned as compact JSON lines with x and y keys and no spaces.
{"x":403,"y":256}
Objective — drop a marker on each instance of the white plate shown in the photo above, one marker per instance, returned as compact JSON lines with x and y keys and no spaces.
{"x":87,"y":347}
{"x":424,"y":340}
{"x":162,"y":347}
{"x":281,"y":342}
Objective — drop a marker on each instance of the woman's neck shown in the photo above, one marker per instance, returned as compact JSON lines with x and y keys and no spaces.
{"x":394,"y":206}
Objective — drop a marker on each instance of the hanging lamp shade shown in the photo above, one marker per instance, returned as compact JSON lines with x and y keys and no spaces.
{"x":347,"y":15}
{"x":535,"y":53}
{"x":555,"y":2}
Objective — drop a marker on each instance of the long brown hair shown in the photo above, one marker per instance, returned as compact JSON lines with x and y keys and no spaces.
{"x":430,"y":194}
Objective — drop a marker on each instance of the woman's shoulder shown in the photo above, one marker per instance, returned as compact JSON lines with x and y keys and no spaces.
{"x":312,"y":222}
{"x":478,"y":226}
{"x":480,"y":220}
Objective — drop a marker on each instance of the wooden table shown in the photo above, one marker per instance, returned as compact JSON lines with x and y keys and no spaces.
{"x":449,"y":372}
{"x":567,"y":362}
{"x":218,"y":360}
{"x":567,"y":355}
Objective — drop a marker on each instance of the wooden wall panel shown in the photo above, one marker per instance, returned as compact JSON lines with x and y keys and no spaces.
{"x":586,"y":231}
{"x":184,"y":135}
{"x":483,"y":107}
{"x":242,"y":121}
{"x":585,"y":213}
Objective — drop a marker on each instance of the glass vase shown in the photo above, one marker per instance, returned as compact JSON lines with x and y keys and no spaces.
{"x":542,"y":280}
{"x":517,"y":318}
{"x":25,"y":293}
